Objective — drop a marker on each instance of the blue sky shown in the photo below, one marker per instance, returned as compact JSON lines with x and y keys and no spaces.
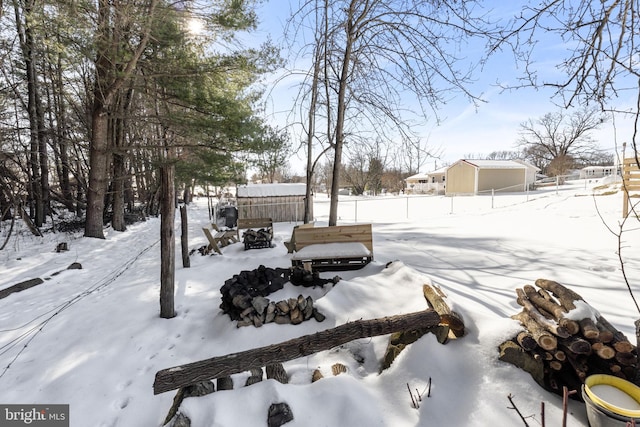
{"x":464,"y":129}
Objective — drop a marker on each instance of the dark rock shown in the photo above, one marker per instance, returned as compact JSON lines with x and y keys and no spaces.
{"x":260,"y":304}
{"x":282,"y":320}
{"x":279,"y":414}
{"x":296,"y":316}
{"x":318,"y":316}
{"x":283,"y":307}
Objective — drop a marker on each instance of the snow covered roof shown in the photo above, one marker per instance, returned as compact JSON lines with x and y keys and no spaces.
{"x":270,"y":190}
{"x":497,"y":164}
{"x":441,"y":170}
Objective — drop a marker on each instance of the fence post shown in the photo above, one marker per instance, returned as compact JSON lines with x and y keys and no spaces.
{"x":356,"y":220}
{"x":492,"y":195}
{"x":452,"y":196}
{"x":407,"y":207}
{"x":557,"y":183}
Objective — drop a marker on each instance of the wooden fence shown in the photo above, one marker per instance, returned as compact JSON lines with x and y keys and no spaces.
{"x":631,"y":182}
{"x":278,"y":208}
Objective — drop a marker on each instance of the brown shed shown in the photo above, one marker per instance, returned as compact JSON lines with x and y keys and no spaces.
{"x":280,"y":202}
{"x":477,"y":176}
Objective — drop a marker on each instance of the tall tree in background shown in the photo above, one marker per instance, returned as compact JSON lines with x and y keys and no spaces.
{"x":558,"y":141}
{"x":269,"y":152}
{"x":28,"y":15}
{"x":122,"y":34}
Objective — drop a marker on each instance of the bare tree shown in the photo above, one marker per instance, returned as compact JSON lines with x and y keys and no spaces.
{"x":602,"y":40}
{"x":374,"y":53}
{"x":559,"y":140}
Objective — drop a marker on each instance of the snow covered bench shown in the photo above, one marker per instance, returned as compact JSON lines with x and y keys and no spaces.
{"x":342,"y":247}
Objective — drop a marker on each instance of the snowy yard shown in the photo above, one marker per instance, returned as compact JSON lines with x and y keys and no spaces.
{"x":92,"y":338}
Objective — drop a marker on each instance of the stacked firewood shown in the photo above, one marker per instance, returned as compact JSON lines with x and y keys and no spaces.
{"x":565,"y":340}
{"x":256,"y":239}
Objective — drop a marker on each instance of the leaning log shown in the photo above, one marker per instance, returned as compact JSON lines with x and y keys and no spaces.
{"x":181,"y":376}
{"x":447,"y":317}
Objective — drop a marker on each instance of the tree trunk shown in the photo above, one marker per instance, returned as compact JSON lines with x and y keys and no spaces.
{"x":181,"y":376}
{"x":340,"y":119}
{"x":167,"y":242}
{"x":117,"y":221}
{"x":98,"y":161}
{"x":184,"y":238}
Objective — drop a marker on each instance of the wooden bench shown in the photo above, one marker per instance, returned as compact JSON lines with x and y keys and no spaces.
{"x":252,"y":224}
{"x":291,"y":243}
{"x":219,"y":239}
{"x":342,"y":247}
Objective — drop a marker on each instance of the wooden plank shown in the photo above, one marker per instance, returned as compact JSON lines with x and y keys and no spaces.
{"x":212,"y":242}
{"x":336,"y":234}
{"x":291,"y":244}
{"x":216,"y":367}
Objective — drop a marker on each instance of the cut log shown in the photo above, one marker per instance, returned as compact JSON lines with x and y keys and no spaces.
{"x":603,"y":351}
{"x":605,"y":335}
{"x":526,"y":341}
{"x":623,"y":347}
{"x":447,"y":316}
{"x":626,"y":359}
{"x":575,"y":345}
{"x":556,"y":310}
{"x":589,"y":329}
{"x":569,"y":325}
{"x":180,"y":376}
{"x":565,"y":296}
{"x":560,"y":355}
{"x":532,"y":310}
{"x":544,"y":339}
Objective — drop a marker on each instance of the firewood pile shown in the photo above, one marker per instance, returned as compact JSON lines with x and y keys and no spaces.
{"x":244,"y":296}
{"x":256,"y":239}
{"x":565,"y":340}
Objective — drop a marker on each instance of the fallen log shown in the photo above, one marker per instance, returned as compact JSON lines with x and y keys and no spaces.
{"x":184,"y":375}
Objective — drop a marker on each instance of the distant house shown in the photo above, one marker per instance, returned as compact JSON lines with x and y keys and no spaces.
{"x":598,"y":171}
{"x":422,"y":183}
{"x":468,"y":176}
{"x":280,"y":202}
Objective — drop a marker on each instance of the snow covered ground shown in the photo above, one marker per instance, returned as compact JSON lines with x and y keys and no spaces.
{"x":92,"y":338}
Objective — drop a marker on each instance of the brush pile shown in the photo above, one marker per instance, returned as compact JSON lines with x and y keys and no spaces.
{"x":565,"y":340}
